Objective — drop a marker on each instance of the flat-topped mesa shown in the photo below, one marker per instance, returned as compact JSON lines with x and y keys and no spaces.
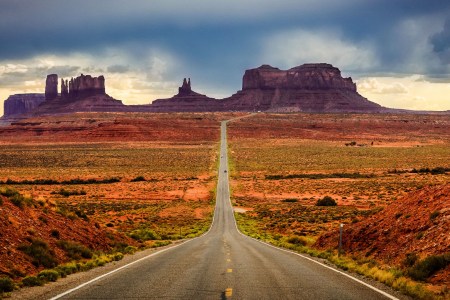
{"x":319,"y":76}
{"x":19,"y":104}
{"x":317,"y":87}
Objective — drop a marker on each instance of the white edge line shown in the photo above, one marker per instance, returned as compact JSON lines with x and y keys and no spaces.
{"x":139,"y":260}
{"x":317,"y":262}
{"x":303,"y":256}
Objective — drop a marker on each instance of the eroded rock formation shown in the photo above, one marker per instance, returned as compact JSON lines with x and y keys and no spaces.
{"x":51,"y":87}
{"x":83,"y":93}
{"x":186,"y":100}
{"x":83,"y":86}
{"x":309,"y":88}
{"x":306,"y":88}
{"x":21,"y":104}
{"x":307,"y":76}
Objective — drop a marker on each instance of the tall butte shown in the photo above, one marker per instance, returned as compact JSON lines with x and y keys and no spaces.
{"x":51,"y":87}
{"x":309,"y":88}
{"x":82,"y":93}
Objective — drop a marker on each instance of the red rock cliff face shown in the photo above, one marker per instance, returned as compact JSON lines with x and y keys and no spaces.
{"x":51,"y":87}
{"x":21,"y":103}
{"x":307,"y":76}
{"x":83,"y":93}
{"x":309,"y":87}
{"x":83,"y":86}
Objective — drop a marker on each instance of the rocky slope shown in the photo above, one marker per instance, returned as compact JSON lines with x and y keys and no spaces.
{"x":39,"y":220}
{"x":418,"y":223}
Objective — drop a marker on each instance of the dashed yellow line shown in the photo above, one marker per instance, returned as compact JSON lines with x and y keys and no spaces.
{"x":228,"y":260}
{"x":228,"y":292}
{"x":229,"y":270}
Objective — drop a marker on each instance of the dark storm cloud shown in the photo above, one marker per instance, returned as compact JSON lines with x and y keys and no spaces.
{"x":217,"y":40}
{"x":441,"y":43}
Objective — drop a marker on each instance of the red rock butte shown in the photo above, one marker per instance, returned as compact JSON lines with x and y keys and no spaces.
{"x":306,"y":88}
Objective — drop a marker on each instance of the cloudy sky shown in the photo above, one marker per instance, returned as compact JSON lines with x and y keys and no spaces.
{"x":398,"y":51}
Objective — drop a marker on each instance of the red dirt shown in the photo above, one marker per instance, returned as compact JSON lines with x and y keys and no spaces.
{"x":116,"y":127}
{"x":417,"y":223}
{"x":381,"y":129}
{"x":18,"y":224}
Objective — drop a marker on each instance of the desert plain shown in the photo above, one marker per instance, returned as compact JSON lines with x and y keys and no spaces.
{"x":108,"y":183}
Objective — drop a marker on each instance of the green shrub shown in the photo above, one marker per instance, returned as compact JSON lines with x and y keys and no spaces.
{"x":74,"y":250}
{"x":144,"y":235}
{"x":130,"y":250}
{"x":87,"y":265}
{"x":48,"y":275}
{"x":67,"y":269}
{"x":66,"y":193}
{"x":55,"y":233}
{"x":297,"y":240}
{"x":101,"y":261}
{"x":139,"y":178}
{"x":160,"y":244}
{"x":289,"y":200}
{"x":40,"y":252}
{"x":428,"y":266}
{"x":434,"y":215}
{"x":326,"y":201}
{"x":32,"y":281}
{"x":8,"y":192}
{"x":18,"y":200}
{"x":6,"y":285}
{"x":410,"y":259}
{"x":117,"y":256}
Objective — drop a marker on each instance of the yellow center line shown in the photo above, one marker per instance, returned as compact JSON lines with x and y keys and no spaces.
{"x":228,"y":292}
{"x":229,"y":270}
{"x":228,"y":260}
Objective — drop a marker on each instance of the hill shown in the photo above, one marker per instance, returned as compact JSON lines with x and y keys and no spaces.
{"x":38,"y":234}
{"x":411,"y":229}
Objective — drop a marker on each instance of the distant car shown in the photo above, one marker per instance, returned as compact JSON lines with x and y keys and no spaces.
{"x":225,"y":171}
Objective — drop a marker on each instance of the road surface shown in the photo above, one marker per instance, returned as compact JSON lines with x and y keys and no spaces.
{"x":224,"y":264}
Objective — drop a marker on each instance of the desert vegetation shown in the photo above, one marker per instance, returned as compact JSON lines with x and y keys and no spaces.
{"x":296,"y":178}
{"x":129,"y":195}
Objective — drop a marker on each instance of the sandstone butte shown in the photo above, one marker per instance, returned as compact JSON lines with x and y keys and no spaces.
{"x":306,"y":88}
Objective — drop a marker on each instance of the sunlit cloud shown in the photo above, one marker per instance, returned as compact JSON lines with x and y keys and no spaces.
{"x":294,"y":47}
{"x":410,"y":92}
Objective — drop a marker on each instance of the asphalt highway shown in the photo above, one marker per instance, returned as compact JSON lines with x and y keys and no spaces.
{"x":224,"y":264}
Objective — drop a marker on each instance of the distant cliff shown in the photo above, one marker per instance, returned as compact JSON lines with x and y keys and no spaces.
{"x":21,"y":104}
{"x":80,"y":94}
{"x":186,"y":100}
{"x":306,"y":88}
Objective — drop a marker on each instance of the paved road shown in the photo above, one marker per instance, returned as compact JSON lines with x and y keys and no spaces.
{"x":224,"y":264}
